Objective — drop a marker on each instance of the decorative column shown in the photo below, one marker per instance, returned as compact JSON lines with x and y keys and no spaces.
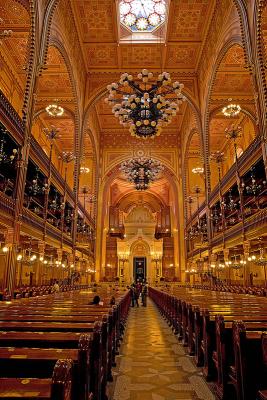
{"x":9,"y":280}
{"x":246,"y":266}
{"x":66,"y":157}
{"x":59,"y":259}
{"x":156,"y":258}
{"x":52,"y":134}
{"x":40,"y":268}
{"x":227,"y":262}
{"x":233,"y":133}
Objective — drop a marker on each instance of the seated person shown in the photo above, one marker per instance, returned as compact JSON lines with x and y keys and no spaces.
{"x":56,"y":287}
{"x":96,"y":301}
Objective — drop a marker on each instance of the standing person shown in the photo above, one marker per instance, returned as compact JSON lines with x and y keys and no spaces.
{"x":139,"y":287}
{"x":132,"y":294}
{"x":144,"y":294}
{"x":136,"y":295}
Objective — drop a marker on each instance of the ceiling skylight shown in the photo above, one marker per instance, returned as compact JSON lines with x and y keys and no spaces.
{"x":142,"y":15}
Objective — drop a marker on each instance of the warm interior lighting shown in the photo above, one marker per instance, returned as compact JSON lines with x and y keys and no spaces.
{"x":54,"y":110}
{"x":5,"y":249}
{"x":145,"y":106}
{"x":198,"y":170}
{"x":84,"y":170}
{"x":142,"y":16}
{"x":231,"y":110}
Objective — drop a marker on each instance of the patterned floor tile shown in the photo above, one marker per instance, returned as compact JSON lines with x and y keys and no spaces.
{"x":152,"y":364}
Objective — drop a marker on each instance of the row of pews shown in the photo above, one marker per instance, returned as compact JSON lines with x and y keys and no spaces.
{"x":60,"y":347}
{"x":254,"y":290}
{"x":226,"y":333}
{"x":33,"y":291}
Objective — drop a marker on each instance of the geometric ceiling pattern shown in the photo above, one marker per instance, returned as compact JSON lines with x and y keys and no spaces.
{"x":105,"y":56}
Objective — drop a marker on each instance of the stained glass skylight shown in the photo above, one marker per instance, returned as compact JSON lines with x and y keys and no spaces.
{"x":142,"y":15}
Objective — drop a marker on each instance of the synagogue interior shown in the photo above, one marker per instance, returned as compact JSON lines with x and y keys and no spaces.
{"x":133,"y":199}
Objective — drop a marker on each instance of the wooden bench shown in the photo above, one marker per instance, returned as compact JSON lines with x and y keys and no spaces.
{"x":203,"y":320}
{"x":223,"y":355}
{"x":248,"y":374}
{"x":59,"y":322}
{"x":58,"y":387}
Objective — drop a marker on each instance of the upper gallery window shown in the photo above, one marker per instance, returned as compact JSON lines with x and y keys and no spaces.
{"x":142,"y":15}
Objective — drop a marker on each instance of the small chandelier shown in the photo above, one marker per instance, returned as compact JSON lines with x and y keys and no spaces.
{"x":217,"y":156}
{"x":52,"y":133}
{"x":54,"y":110}
{"x":198,"y":170}
{"x":145,"y":107}
{"x":141,"y":171}
{"x":5,"y":33}
{"x":231,"y":110}
{"x":67,"y":156}
{"x":233,"y":132}
{"x":37,"y":187}
{"x":84,"y":170}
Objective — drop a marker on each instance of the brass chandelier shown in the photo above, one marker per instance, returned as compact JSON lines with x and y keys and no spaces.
{"x":141,"y":171}
{"x":145,"y":107}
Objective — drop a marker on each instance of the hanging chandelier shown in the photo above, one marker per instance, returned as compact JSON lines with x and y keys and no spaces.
{"x":84,"y":170}
{"x":233,"y":132}
{"x":145,"y":107}
{"x":198,"y":170}
{"x":54,"y":110}
{"x":141,"y":171}
{"x":231,"y":110}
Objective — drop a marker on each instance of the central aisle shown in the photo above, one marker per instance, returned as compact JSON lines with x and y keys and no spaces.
{"x":152,"y":365}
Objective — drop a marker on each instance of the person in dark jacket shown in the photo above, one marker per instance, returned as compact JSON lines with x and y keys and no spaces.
{"x":144,"y":294}
{"x":134,"y":295}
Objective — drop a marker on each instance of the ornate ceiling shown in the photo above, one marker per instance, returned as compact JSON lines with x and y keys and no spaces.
{"x":90,"y":33}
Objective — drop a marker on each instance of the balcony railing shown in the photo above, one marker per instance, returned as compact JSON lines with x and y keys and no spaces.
{"x":7,"y":205}
{"x":252,"y":153}
{"x":253,"y":150}
{"x":10,"y":116}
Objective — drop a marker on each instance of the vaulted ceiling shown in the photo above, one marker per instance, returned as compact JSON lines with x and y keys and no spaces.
{"x":105,"y":57}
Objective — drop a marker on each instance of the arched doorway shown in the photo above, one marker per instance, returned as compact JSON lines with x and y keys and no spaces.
{"x":139,"y":269}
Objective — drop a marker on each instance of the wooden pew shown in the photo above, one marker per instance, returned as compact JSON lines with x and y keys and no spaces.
{"x":67,"y":315}
{"x":194,"y":317}
{"x":248,"y":374}
{"x":262,"y":394}
{"x":223,"y":356}
{"x":39,"y":363}
{"x":59,"y":387}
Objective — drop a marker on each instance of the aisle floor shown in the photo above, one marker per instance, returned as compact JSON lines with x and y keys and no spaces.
{"x":153,"y":365}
